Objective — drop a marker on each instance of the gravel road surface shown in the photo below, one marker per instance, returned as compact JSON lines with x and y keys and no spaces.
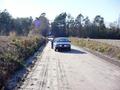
{"x":74,"y":70}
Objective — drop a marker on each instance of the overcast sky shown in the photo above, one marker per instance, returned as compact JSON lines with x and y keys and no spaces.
{"x":109,"y":9}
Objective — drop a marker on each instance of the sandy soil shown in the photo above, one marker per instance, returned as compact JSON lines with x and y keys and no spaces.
{"x":74,"y":70}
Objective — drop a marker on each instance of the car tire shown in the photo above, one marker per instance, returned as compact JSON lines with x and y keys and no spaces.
{"x":69,"y":49}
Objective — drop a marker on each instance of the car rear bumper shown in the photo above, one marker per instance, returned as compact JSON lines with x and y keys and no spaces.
{"x":64,"y":48}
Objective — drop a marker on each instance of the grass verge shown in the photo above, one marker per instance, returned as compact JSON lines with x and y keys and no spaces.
{"x":13,"y":53}
{"x":104,"y":48}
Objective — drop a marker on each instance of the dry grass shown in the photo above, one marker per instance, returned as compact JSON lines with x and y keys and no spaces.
{"x":95,"y":45}
{"x":13,"y":53}
{"x":108,"y":41}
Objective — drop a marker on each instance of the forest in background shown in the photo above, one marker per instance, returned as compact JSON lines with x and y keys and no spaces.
{"x":81,"y":26}
{"x":63,"y":25}
{"x":23,"y":26}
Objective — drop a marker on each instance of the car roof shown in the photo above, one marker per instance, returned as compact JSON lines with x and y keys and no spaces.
{"x":61,"y":38}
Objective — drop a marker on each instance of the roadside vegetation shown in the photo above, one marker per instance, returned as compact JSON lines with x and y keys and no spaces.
{"x":113,"y":42}
{"x":13,"y":53}
{"x":107,"y":49}
{"x":20,"y":38}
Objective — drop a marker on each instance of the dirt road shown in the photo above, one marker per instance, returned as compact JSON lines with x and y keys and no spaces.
{"x":75,"y":70}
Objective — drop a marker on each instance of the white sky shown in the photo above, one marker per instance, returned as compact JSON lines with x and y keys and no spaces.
{"x":109,"y":9}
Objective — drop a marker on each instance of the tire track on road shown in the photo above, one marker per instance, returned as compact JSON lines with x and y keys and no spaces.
{"x":51,"y":74}
{"x":30,"y":78}
{"x":62,"y":77}
{"x":44,"y":75}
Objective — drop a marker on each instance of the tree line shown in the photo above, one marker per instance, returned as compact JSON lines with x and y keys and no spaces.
{"x":23,"y":26}
{"x":65,"y":25}
{"x":9,"y":24}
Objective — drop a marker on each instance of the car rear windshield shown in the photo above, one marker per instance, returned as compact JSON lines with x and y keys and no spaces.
{"x":62,"y":40}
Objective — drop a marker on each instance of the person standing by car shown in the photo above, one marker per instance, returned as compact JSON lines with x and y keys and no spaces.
{"x":52,"y":43}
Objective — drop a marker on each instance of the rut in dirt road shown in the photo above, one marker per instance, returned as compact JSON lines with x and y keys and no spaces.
{"x":74,"y":70}
{"x":48,"y":74}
